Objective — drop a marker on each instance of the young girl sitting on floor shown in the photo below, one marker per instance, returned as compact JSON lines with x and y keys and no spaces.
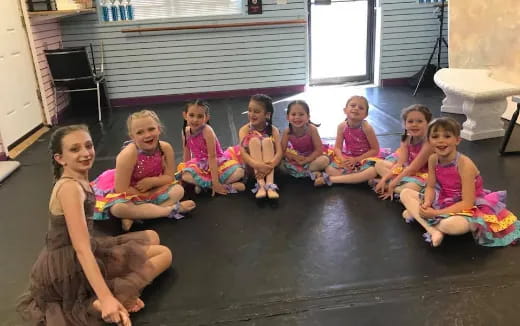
{"x":260,"y":146}
{"x":408,"y":167}
{"x":455,"y":201}
{"x":78,"y":279}
{"x":356,"y":148}
{"x":205,"y":164}
{"x":301,"y":143}
{"x":142,"y":185}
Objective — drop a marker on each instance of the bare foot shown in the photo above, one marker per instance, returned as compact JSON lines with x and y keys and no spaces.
{"x":96,"y":305}
{"x":437,"y":237}
{"x":319,"y":182}
{"x":238,"y":186}
{"x":126,"y":224}
{"x":187,"y":206}
{"x":139,"y":304}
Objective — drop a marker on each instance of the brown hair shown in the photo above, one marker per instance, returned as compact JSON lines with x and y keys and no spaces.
{"x":197,"y":102}
{"x":305,"y":108}
{"x":364,"y":99}
{"x":418,"y":108}
{"x":446,"y":124}
{"x":56,"y":145}
{"x":267,"y":103}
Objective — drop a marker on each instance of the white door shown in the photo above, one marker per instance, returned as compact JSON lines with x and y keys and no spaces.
{"x":20,"y":109}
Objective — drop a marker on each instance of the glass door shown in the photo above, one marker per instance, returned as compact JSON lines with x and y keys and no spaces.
{"x":341,"y":39}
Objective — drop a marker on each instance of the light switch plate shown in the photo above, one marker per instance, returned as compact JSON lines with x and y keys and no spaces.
{"x":281,"y":2}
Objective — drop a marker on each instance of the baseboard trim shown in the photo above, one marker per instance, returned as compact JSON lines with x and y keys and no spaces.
{"x":147,"y":100}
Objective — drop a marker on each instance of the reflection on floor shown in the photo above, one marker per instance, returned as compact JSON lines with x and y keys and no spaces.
{"x":331,"y":256}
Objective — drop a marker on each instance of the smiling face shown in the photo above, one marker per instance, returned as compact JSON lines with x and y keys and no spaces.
{"x":257,"y":114}
{"x":145,"y":133}
{"x":356,"y":109}
{"x":444,"y":142}
{"x":195,"y":116}
{"x":297,"y":116}
{"x":77,"y":152}
{"x":415,"y":124}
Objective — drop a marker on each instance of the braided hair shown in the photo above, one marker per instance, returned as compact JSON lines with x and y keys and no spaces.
{"x":267,"y":103}
{"x":196,"y":102}
{"x":418,"y":108}
{"x":305,"y":107}
{"x":56,"y":146}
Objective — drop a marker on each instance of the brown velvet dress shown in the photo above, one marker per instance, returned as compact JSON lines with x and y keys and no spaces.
{"x":59,"y":293}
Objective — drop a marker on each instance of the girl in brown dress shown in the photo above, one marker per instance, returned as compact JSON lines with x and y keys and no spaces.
{"x":78,"y":279}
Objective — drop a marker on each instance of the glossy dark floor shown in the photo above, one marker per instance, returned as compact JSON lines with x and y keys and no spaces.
{"x":331,"y":256}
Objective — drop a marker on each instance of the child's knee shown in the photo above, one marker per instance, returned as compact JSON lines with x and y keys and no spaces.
{"x":176,"y":192}
{"x":320,"y":163}
{"x":407,"y":193}
{"x":187,"y":177}
{"x":254,"y":142}
{"x":267,"y":143}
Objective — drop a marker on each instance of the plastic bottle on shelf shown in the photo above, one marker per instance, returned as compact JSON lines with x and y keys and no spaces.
{"x":114,"y":11}
{"x":122,"y":9}
{"x":105,"y":9}
{"x":129,"y":11}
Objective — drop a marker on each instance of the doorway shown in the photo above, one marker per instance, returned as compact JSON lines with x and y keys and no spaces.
{"x":20,"y":110}
{"x":341,"y":41}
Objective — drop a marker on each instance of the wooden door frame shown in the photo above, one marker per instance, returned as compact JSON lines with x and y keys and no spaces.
{"x":46,"y":118}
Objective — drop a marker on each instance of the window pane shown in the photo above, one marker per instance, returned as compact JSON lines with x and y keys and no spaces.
{"x":151,"y":9}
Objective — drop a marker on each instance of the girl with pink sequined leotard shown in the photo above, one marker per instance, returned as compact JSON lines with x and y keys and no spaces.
{"x":205,"y":164}
{"x":304,"y":153}
{"x":260,"y":148}
{"x":408,"y":166}
{"x":455,"y":201}
{"x":356,"y":149}
{"x":142,"y":186}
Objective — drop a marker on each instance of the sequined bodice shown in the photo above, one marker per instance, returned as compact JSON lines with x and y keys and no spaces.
{"x":302,"y":144}
{"x":198,"y":147}
{"x":413,"y":151}
{"x":147,"y":165}
{"x":449,"y":184}
{"x":355,"y":141}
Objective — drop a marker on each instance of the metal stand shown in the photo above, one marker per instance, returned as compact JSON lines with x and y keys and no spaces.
{"x":438,"y":45}
{"x":510,"y":128}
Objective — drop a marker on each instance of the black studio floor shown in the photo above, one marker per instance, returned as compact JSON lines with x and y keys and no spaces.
{"x":331,"y":256}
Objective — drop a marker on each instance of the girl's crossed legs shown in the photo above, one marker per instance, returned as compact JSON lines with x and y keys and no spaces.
{"x":128,"y":211}
{"x":453,"y":225}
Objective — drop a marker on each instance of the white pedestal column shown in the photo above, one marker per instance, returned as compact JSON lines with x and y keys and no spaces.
{"x":483,"y":119}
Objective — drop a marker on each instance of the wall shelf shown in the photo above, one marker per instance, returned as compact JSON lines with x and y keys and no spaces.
{"x":59,"y":14}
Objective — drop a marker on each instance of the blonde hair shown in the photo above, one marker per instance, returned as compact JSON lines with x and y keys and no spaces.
{"x":364,"y":99}
{"x":142,"y":114}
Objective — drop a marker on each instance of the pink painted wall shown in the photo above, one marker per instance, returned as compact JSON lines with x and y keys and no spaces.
{"x":47,"y":35}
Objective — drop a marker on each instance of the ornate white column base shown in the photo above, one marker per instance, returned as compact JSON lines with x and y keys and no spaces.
{"x":483,"y":119}
{"x":452,"y":103}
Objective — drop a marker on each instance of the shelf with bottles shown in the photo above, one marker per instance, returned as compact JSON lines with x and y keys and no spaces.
{"x":52,"y":14}
{"x":116,"y":10}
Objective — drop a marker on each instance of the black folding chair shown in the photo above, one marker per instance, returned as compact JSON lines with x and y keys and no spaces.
{"x":72,"y":71}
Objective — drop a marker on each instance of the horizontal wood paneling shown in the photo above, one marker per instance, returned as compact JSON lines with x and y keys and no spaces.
{"x":179,"y":62}
{"x":408,"y":35}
